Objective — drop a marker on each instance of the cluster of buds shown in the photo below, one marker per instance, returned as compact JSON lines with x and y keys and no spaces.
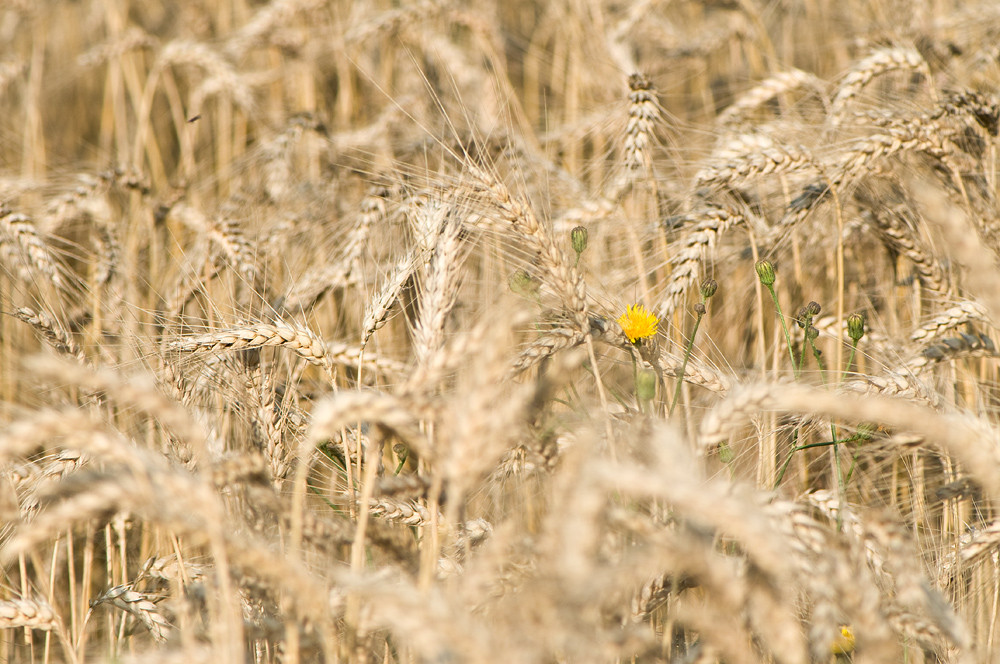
{"x":805,"y":319}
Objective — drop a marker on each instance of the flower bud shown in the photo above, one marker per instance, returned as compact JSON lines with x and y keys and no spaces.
{"x":700,"y":309}
{"x":765,"y":272}
{"x":866,"y":430}
{"x":855,"y":327}
{"x":811,"y":333}
{"x":578,"y":237}
{"x":802,"y":320}
{"x":645,"y":385}
{"x":708,"y":288}
{"x":523,"y":283}
{"x":813,"y":309}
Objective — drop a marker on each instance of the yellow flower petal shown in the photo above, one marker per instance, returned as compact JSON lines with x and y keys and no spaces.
{"x":843,"y":644}
{"x":638,"y":323}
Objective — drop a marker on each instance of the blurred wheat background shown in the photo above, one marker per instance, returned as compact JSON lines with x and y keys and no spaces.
{"x":499,"y":331}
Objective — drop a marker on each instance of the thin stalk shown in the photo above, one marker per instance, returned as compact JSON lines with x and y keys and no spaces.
{"x":784,"y":326}
{"x":687,"y":355}
{"x":841,"y":485}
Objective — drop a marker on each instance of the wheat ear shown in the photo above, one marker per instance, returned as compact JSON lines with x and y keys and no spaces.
{"x":687,"y":260}
{"x":300,"y":340}
{"x":30,"y":613}
{"x":21,"y":246}
{"x":878,"y":63}
{"x":138,"y":606}
{"x":52,"y":332}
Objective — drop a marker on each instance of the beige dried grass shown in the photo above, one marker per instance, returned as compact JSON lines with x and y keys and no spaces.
{"x":624,"y":546}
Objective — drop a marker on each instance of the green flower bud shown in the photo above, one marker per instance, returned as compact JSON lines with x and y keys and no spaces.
{"x":811,"y":333}
{"x":523,"y":283}
{"x":645,"y":385}
{"x":765,"y":272}
{"x":813,"y":309}
{"x":578,"y":237}
{"x":855,"y":327}
{"x":708,"y":288}
{"x":866,"y":430}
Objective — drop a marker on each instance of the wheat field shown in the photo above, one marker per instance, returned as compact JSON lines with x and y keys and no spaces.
{"x":499,"y":331}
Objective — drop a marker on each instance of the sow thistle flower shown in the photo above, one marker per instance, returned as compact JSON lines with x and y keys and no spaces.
{"x":844,"y":643}
{"x":638,"y":323}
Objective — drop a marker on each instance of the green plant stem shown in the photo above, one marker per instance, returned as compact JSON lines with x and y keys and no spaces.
{"x":854,"y":461}
{"x":784,"y":326}
{"x":799,"y":448}
{"x":850,"y":359}
{"x":684,"y":361}
{"x":635,"y":378}
{"x":819,"y":360}
{"x":791,"y":455}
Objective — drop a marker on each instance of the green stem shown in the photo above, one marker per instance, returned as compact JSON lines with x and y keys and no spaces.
{"x":807,"y":446}
{"x":784,"y":326}
{"x":635,"y":378}
{"x":850,"y":359}
{"x":819,"y":360}
{"x":687,"y":354}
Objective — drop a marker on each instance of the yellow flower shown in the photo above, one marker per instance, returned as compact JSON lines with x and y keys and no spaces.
{"x":638,"y":323}
{"x":843,"y":644}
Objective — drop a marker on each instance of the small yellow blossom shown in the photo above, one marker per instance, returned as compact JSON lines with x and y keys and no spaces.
{"x":638,"y":323}
{"x":843,"y":644}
